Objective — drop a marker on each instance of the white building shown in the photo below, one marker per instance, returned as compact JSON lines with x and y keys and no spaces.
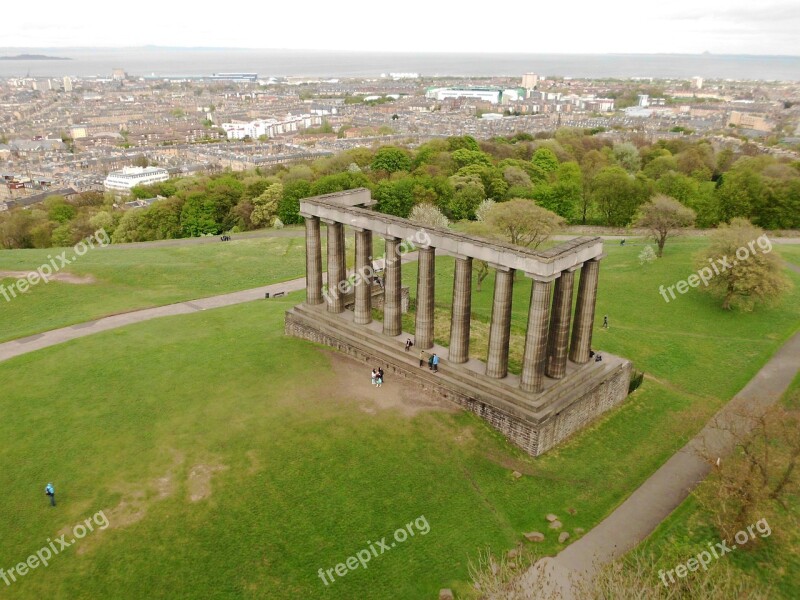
{"x":484,"y":94}
{"x":67,"y":84}
{"x":697,"y":83}
{"x":270,"y":127}
{"x":129,"y":177}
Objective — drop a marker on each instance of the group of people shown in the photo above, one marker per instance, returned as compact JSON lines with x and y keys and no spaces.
{"x":377,"y":377}
{"x":433,"y":361}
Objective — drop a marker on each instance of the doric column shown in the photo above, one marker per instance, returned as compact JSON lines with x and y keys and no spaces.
{"x":584,"y":312}
{"x":534,"y":358}
{"x":336,"y":274}
{"x":392,"y":307}
{"x":343,"y":253}
{"x":500,"y":329}
{"x":558,"y":336}
{"x":363,"y":309}
{"x":426,"y":277}
{"x":462,"y":309}
{"x":313,"y":262}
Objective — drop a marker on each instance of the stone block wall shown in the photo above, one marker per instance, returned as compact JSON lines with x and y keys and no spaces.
{"x":535,"y":439}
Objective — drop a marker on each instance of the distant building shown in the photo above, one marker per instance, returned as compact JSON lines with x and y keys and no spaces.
{"x":491,"y":95}
{"x":118,"y":75}
{"x":644,"y":100}
{"x":749,"y":121}
{"x":235,"y":77}
{"x":404,"y":75}
{"x":270,"y":127}
{"x":697,"y":83}
{"x":129,"y":177}
{"x":67,"y":84}
{"x":530,"y":81}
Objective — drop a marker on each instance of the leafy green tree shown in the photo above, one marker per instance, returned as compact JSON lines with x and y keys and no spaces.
{"x":59,"y":210}
{"x":660,"y":166}
{"x":289,"y":206}
{"x":339,"y":182}
{"x":739,"y":193}
{"x":466,"y":200}
{"x":395,"y":197}
{"x":545,"y":159}
{"x":618,"y":194}
{"x":391,"y":160}
{"x":522,"y":222}
{"x":465,"y":142}
{"x":463,"y":157}
{"x":627,"y":156}
{"x":198,"y":216}
{"x":743,"y":283}
{"x":265,"y":207}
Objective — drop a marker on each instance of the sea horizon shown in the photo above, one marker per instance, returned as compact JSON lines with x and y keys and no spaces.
{"x":174,"y":61}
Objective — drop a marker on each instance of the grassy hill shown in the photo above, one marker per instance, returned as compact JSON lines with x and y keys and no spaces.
{"x":233,"y":462}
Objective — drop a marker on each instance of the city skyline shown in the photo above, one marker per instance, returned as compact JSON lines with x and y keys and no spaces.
{"x":683,"y":27}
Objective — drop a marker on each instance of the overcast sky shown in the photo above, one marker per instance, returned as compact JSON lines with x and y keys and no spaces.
{"x":624,"y":26}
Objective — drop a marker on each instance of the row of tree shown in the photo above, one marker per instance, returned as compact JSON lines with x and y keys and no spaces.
{"x":581,"y":176}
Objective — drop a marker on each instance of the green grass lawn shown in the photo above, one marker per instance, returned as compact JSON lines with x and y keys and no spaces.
{"x":311,"y":471}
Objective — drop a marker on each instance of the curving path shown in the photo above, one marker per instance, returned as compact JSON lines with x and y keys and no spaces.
{"x":38,"y":341}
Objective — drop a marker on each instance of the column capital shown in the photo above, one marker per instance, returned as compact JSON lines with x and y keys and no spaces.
{"x":330,"y":221}
{"x":598,"y":258}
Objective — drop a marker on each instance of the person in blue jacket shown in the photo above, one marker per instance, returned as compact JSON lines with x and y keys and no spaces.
{"x":51,"y":491}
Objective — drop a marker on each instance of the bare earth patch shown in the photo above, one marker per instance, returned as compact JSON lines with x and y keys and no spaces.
{"x":199,"y":482}
{"x":396,"y":393}
{"x":62,"y":277}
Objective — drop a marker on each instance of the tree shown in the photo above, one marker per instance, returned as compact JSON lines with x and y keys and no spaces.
{"x":745,"y":271}
{"x":265,"y":207}
{"x":428,"y":214}
{"x":618,"y":194}
{"x":627,"y":156}
{"x":522,"y":222}
{"x":391,"y":160}
{"x":545,"y":159}
{"x":664,"y":217}
{"x":464,"y":157}
{"x":759,"y":475}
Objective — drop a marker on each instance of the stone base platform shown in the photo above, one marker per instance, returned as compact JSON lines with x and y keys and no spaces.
{"x":536,"y":422}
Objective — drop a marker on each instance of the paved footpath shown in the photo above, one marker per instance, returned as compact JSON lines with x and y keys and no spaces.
{"x":57,"y":336}
{"x":657,"y":497}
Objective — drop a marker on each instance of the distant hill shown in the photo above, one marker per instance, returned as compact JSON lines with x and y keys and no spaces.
{"x":33,"y":57}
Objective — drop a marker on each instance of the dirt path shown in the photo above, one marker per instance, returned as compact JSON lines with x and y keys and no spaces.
{"x":63,"y":277}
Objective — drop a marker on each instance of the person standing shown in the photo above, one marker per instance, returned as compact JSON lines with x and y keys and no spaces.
{"x":51,"y":491}
{"x":435,"y":362}
{"x":374,"y":376}
{"x":380,"y":374}
{"x":421,"y":358}
{"x":605,"y":322}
